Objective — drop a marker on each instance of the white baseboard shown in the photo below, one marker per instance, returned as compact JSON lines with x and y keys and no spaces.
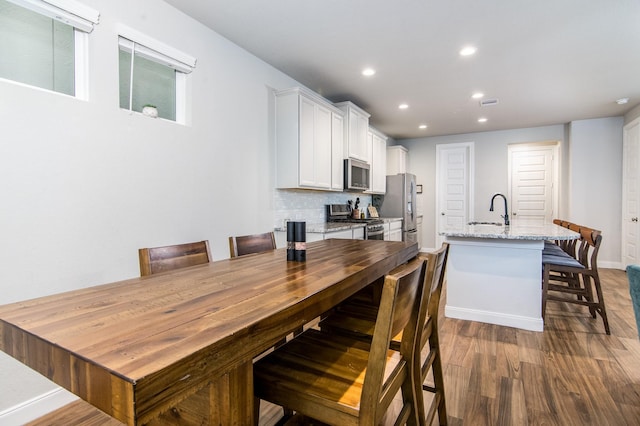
{"x":525,"y":323}
{"x":36,"y":407}
{"x":612,"y":265}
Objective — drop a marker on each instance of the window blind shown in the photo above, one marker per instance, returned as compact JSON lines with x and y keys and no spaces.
{"x":154,"y":50}
{"x":69,"y":12}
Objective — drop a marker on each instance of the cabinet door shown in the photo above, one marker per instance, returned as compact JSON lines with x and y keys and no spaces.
{"x":306,"y":148}
{"x":396,"y":160}
{"x":362,"y":132}
{"x":344,"y":235}
{"x":378,"y":164}
{"x":358,"y":136}
{"x":395,"y":235}
{"x":322,"y":147}
{"x":337,"y":163}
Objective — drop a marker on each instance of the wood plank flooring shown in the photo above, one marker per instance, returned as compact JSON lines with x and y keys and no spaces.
{"x":570,"y":374}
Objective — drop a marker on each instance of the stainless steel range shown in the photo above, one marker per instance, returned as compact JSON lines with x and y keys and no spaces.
{"x":343,"y":213}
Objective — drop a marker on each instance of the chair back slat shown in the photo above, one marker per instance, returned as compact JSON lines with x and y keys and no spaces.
{"x":248,"y":244}
{"x":167,"y":258}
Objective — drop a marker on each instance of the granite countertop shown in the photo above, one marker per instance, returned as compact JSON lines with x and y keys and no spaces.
{"x":326,"y":227}
{"x":512,"y":232}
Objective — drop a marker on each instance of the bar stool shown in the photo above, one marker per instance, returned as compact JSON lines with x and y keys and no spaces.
{"x":341,"y":380}
{"x":577,"y":277}
{"x":356,"y":317}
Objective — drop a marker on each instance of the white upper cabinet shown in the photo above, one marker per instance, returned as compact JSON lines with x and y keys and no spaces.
{"x":396,"y":160}
{"x":378,"y":143}
{"x":305,"y":135}
{"x":337,"y":163}
{"x":356,"y":129}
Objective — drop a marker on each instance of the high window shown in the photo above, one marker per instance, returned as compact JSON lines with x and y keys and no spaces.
{"x":153,"y":74}
{"x":44,"y":44}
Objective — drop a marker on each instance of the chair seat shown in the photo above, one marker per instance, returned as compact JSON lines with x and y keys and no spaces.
{"x":328,"y":368}
{"x":552,"y":248}
{"x":561,"y":260}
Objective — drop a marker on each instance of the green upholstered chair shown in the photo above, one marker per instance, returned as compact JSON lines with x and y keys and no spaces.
{"x":633,"y":273}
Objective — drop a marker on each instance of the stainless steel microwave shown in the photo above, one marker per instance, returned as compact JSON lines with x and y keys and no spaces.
{"x":356,"y":175}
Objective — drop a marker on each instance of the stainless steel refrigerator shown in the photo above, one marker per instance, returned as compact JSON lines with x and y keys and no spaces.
{"x":400,"y":201}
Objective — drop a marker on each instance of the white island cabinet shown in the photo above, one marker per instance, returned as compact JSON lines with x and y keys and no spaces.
{"x":494,"y":273}
{"x":309,"y":134}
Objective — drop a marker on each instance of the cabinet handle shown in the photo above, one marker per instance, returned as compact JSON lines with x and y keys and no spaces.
{"x":634,"y":219}
{"x":441,"y":213}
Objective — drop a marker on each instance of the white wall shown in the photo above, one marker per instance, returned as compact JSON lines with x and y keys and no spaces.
{"x":84,"y":184}
{"x":491,"y":168}
{"x":595,"y":182}
{"x":591,"y":158}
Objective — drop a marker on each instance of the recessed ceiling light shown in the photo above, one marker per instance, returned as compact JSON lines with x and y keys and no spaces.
{"x":482,"y":120}
{"x":468,"y":50}
{"x":477,"y":95}
{"x":403,"y":106}
{"x":368,"y":72}
{"x":622,"y":101}
{"x":422,"y":126}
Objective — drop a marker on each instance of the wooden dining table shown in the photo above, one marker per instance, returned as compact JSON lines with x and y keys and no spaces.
{"x":179,"y":346}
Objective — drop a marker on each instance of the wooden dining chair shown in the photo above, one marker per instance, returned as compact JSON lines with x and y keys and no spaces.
{"x":167,"y":258}
{"x":248,"y":244}
{"x":357,"y":317}
{"x":341,"y":380}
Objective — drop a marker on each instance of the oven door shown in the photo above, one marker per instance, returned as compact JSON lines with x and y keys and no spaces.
{"x":375,"y":234}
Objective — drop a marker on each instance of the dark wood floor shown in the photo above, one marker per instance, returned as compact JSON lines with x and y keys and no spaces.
{"x":570,"y":374}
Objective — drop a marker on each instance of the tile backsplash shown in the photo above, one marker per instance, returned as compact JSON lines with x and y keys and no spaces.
{"x":308,"y":205}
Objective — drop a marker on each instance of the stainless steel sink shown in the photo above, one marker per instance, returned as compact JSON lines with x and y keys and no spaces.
{"x":485,"y":223}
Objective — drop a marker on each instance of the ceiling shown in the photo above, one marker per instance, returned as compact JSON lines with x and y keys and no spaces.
{"x":546,"y":62}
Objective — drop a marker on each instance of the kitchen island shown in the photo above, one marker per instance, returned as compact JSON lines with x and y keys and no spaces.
{"x":494,"y":272}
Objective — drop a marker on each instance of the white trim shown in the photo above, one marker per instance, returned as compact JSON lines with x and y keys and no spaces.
{"x":36,"y":407}
{"x":555,"y":170}
{"x":81,"y":63}
{"x":525,"y":323}
{"x":155,"y":50}
{"x":181,"y":98}
{"x":69,"y":12}
{"x":470,"y":146}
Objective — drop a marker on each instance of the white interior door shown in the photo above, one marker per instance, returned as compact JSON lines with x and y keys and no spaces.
{"x":630,"y":198}
{"x":454,"y":185}
{"x":533,"y":183}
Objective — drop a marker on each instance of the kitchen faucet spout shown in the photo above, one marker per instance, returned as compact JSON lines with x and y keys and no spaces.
{"x":506,"y":209}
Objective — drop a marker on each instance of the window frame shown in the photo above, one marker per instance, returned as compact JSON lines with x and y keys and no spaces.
{"x":83,"y":20}
{"x":154,"y":50}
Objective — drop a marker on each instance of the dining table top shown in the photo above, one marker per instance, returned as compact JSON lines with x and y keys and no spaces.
{"x":136,"y":347}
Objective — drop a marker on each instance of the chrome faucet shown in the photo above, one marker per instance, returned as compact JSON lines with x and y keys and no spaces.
{"x":506,"y":210}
